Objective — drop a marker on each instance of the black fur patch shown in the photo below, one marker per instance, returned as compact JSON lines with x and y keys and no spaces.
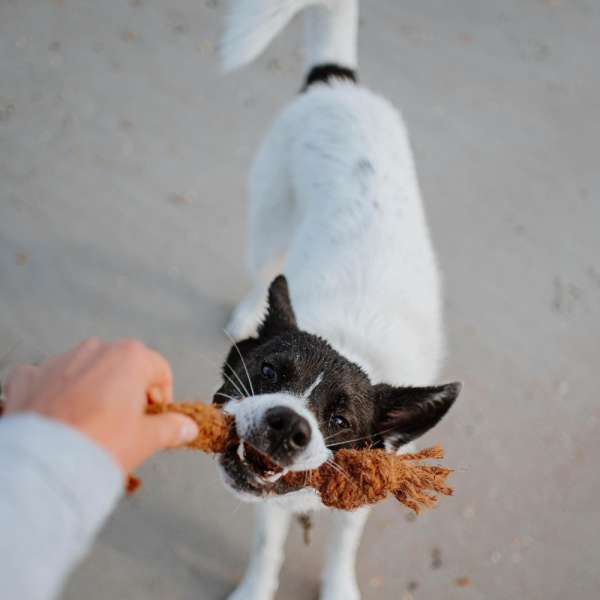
{"x":323,"y":73}
{"x":351,"y":411}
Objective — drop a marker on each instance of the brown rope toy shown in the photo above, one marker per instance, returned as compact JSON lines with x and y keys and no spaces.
{"x":359,"y":477}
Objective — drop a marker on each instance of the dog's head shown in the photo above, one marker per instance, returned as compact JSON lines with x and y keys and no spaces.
{"x":296,"y":400}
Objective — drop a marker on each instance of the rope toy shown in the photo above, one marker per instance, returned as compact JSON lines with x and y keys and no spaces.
{"x":356,"y":478}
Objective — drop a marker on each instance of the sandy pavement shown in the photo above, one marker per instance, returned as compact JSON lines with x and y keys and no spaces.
{"x":123,"y":158}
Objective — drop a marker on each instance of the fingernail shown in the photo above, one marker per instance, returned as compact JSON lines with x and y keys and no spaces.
{"x":155,"y":395}
{"x":189,"y":432}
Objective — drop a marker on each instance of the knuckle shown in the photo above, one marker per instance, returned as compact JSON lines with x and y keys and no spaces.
{"x":130,"y":348}
{"x":90,"y":344}
{"x":22,"y":370}
{"x":27,"y":370}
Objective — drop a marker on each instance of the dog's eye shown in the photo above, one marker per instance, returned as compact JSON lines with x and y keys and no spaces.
{"x":340,"y":422}
{"x":269,"y":371}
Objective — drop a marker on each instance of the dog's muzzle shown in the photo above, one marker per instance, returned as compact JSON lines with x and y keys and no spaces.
{"x":284,"y":435}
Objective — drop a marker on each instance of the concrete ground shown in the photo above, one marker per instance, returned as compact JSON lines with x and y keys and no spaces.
{"x":123,"y":159}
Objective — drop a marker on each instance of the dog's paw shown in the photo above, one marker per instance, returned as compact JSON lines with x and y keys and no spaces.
{"x":340,"y":590}
{"x":251,"y":592}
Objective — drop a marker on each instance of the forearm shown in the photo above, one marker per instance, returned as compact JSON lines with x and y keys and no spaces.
{"x":57,"y":488}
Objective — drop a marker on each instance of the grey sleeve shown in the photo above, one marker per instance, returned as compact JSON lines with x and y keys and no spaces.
{"x":57,"y":487}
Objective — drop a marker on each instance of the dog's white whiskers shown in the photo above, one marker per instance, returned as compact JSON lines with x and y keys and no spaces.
{"x":225,"y":396}
{"x":215,"y":488}
{"x":361,"y":438}
{"x":213,"y":483}
{"x":237,"y":508}
{"x":242,"y":359}
{"x":247,"y":393}
{"x":340,"y":471}
{"x":216,"y":367}
{"x":334,"y":434}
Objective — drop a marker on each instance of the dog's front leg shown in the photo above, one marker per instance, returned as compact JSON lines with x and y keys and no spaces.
{"x":261,"y":579}
{"x":338,"y":581}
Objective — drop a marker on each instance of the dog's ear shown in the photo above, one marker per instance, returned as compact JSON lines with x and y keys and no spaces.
{"x":405,"y":413}
{"x":280,"y":314}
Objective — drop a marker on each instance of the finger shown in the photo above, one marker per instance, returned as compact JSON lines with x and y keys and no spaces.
{"x":167,"y":430}
{"x":159,"y":378}
{"x":151,"y":369}
{"x":19,"y":384}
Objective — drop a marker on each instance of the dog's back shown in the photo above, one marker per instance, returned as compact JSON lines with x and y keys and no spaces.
{"x":333,"y":188}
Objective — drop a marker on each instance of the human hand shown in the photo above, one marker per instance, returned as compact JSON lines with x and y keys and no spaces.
{"x":102,"y":389}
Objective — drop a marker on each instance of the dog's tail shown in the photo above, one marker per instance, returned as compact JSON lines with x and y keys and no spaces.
{"x":330,"y":29}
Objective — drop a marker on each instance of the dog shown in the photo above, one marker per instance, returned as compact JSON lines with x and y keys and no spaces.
{"x":342,"y":350}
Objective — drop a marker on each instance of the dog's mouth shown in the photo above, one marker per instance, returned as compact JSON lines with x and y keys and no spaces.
{"x":251,"y":474}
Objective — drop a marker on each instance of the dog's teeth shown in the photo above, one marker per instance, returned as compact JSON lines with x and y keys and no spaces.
{"x":285,"y":471}
{"x":241,"y":452}
{"x":273,"y":478}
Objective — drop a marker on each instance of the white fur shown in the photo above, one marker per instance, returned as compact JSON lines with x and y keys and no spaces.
{"x":338,"y":580}
{"x":363,"y":278}
{"x":334,"y":186}
{"x":312,"y":387}
{"x":249,"y":416}
{"x":330,"y":29}
{"x":333,"y":193}
{"x":261,"y":579}
{"x":251,"y":25}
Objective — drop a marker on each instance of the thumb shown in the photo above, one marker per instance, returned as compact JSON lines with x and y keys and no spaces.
{"x":169,"y":430}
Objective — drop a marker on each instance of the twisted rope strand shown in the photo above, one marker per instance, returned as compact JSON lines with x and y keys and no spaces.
{"x":354,"y":478}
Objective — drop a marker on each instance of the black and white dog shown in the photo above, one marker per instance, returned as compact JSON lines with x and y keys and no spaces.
{"x":343,"y":350}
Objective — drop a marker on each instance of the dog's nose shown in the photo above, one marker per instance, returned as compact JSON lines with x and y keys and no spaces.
{"x":288,"y":427}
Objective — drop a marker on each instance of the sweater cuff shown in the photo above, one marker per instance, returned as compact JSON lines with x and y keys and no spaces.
{"x":79,"y":470}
